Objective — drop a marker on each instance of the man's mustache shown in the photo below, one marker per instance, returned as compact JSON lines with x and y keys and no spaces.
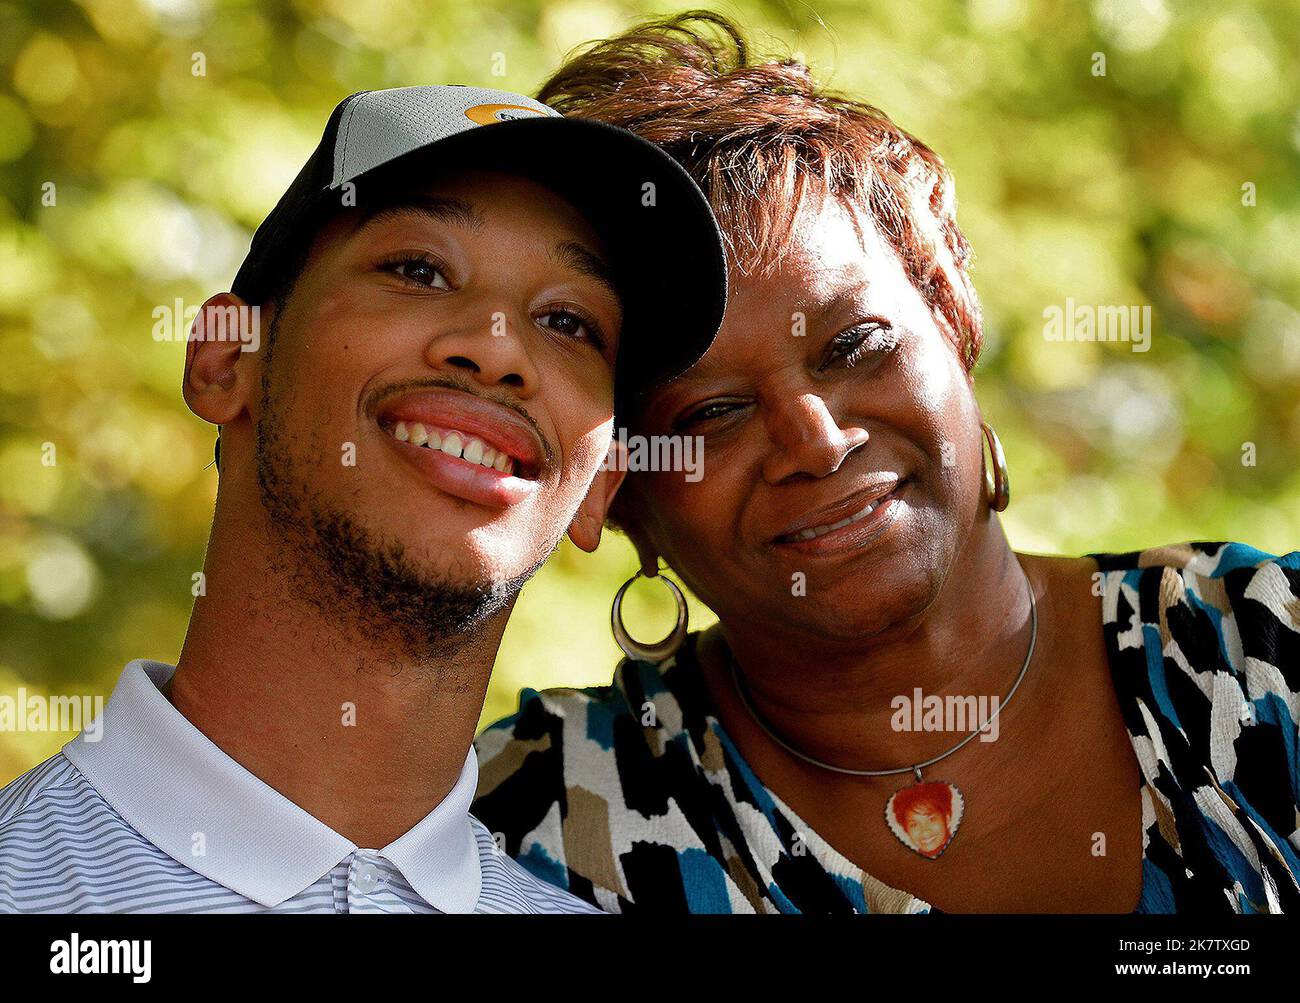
{"x":376,"y":398}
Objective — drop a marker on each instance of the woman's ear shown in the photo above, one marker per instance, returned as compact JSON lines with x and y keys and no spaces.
{"x":630,"y":523}
{"x":645,"y":552}
{"x":585,"y":529}
{"x":217,"y":388}
{"x":626,"y":515}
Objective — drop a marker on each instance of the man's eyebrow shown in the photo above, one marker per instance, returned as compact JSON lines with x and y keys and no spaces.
{"x":587,"y":262}
{"x":443,"y":208}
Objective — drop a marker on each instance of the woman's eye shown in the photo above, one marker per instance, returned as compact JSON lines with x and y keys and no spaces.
{"x":849,"y":348}
{"x":570,"y":325}
{"x":422,"y":272}
{"x":708,"y":412}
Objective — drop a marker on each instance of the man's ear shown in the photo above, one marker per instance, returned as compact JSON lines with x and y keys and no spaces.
{"x":217,"y":388}
{"x":589,"y":520}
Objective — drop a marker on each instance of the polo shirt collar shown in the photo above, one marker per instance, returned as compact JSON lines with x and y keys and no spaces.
{"x":197,"y":805}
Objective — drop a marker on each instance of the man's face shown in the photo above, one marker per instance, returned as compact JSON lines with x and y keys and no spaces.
{"x":437,"y":396}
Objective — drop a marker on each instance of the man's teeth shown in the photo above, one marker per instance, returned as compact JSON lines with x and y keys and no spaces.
{"x":453,"y":444}
{"x":816,"y":531}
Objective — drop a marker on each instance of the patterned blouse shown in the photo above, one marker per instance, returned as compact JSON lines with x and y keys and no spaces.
{"x":636,"y":810}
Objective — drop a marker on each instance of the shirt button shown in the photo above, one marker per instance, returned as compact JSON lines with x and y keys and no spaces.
{"x":367,"y":878}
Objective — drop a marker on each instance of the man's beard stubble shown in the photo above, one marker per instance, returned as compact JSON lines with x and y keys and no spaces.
{"x":349,"y":574}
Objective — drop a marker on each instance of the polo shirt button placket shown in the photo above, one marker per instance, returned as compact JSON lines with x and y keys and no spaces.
{"x":367,"y":879}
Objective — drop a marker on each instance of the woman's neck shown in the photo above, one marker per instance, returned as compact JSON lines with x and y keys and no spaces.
{"x":839,"y":700}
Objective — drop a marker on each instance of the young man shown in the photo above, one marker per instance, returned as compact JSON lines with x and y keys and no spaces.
{"x":425,"y":417}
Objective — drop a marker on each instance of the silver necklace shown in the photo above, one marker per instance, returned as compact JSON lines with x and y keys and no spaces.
{"x":924,"y":815}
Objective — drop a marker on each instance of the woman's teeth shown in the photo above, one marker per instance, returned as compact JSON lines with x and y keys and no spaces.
{"x":453,"y":444}
{"x":816,"y":531}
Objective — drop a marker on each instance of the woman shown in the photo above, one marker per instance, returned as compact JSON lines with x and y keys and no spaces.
{"x":1137,"y":745}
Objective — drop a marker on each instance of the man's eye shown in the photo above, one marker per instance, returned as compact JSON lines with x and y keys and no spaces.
{"x":421,"y":272}
{"x":570,"y":325}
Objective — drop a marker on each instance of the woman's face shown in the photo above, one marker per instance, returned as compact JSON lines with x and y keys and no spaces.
{"x":829,"y":395}
{"x":928,"y":828}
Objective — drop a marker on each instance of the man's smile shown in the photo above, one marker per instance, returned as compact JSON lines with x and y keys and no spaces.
{"x":469,"y":447}
{"x":453,"y":443}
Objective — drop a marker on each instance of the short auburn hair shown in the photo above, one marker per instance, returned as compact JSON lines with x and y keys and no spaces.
{"x":759,"y":136}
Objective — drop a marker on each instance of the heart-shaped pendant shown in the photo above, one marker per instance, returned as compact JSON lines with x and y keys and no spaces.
{"x":925,"y":816}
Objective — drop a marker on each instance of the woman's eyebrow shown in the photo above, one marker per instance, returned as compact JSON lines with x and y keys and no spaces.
{"x":442,"y":208}
{"x":587,"y":262}
{"x":846,"y":296}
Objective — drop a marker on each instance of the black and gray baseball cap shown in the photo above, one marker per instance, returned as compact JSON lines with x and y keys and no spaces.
{"x":666,"y":252}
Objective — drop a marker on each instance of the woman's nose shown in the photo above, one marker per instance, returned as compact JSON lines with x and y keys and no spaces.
{"x":807,"y":440}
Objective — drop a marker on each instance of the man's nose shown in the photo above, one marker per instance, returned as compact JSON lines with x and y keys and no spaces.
{"x":492,"y":353}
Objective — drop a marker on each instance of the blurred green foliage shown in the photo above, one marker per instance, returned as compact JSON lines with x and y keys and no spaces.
{"x":1132,"y":187}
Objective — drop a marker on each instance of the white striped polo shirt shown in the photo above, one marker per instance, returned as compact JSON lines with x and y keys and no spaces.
{"x":153,"y":817}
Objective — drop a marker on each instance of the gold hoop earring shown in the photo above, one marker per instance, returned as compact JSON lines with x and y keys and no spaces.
{"x":997,"y":482}
{"x":648,"y":652}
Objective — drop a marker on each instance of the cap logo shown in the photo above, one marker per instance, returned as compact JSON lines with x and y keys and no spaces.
{"x":486,"y":114}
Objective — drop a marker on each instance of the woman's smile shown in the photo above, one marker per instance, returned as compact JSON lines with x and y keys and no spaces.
{"x":854,"y":524}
